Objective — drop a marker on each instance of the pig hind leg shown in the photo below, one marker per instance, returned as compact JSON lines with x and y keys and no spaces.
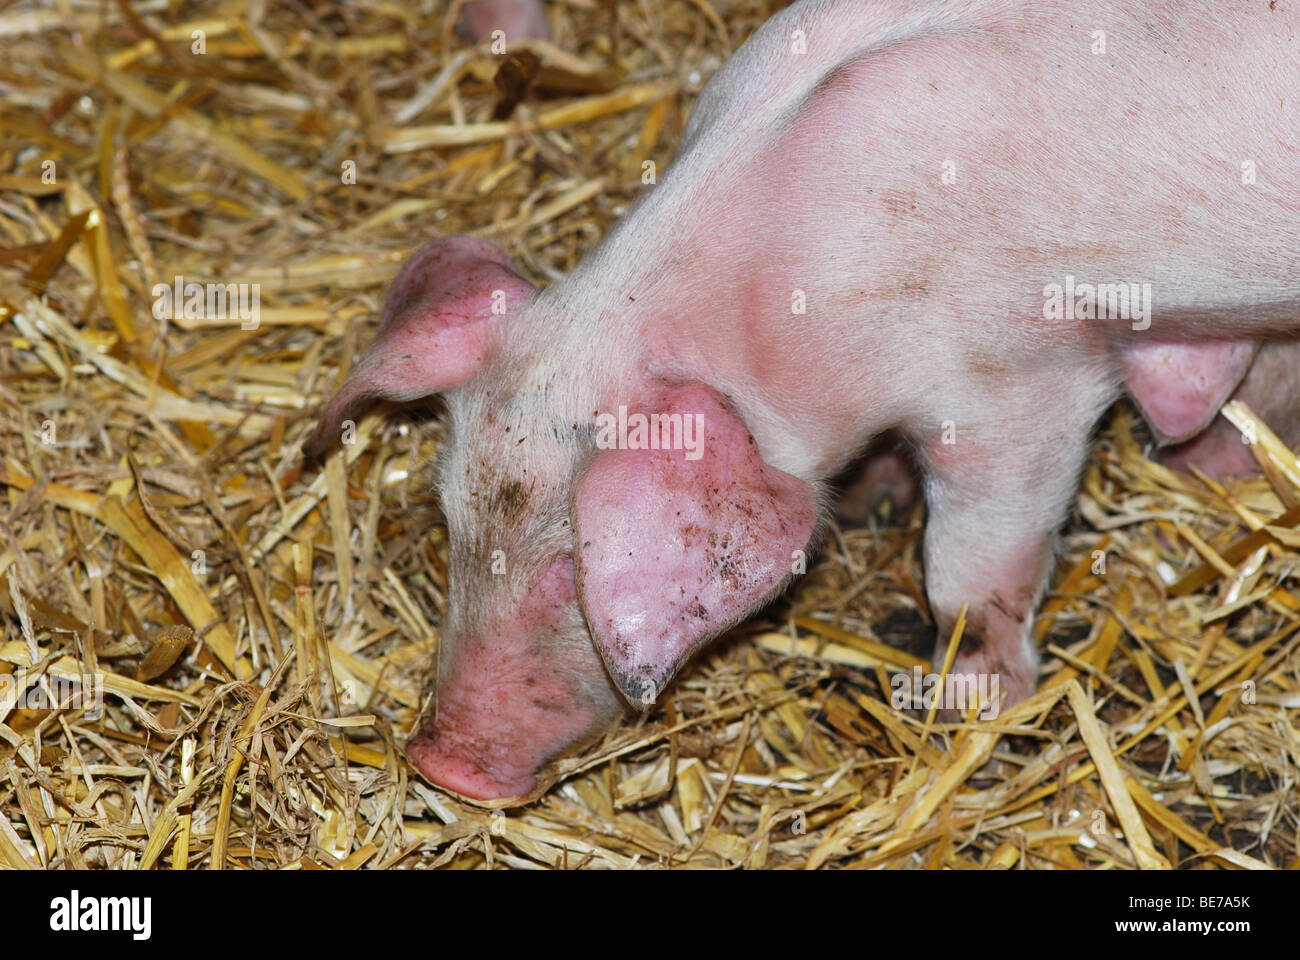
{"x":882,"y":483}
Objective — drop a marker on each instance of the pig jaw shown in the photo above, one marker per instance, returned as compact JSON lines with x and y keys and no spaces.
{"x":515,"y":694}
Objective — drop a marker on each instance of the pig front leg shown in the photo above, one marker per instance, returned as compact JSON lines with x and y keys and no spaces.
{"x":998,"y":488}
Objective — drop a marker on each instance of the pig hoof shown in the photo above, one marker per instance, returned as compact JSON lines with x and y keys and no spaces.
{"x":1002,"y":680}
{"x":464,"y":777}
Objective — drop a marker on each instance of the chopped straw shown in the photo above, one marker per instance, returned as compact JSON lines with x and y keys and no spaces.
{"x":265,"y":632}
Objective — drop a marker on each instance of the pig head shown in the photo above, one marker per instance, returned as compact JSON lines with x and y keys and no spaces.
{"x":603,"y":524}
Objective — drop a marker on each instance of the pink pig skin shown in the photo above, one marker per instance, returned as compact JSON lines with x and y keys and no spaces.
{"x":450,"y":288}
{"x":516,"y":19}
{"x":857,"y":235}
{"x":647,"y":543}
{"x":503,"y":705}
{"x":1272,"y":390}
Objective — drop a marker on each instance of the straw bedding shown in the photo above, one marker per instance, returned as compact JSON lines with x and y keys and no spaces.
{"x":264,"y":632}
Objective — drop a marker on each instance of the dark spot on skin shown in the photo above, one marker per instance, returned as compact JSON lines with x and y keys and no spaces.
{"x":986,"y":366}
{"x":510,"y":499}
{"x":971,"y":642}
{"x":1001,"y":606}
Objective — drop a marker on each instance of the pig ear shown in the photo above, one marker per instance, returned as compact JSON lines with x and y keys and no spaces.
{"x":1179,"y":387}
{"x":441,"y":322}
{"x":673,"y":546}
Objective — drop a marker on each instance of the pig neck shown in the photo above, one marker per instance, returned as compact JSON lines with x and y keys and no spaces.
{"x":617,"y":328}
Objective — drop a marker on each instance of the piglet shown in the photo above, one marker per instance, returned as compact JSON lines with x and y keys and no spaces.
{"x":971,"y":225}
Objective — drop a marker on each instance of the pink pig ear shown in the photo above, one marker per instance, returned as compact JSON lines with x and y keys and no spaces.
{"x":1179,"y":387}
{"x":441,"y":322}
{"x":673,"y":546}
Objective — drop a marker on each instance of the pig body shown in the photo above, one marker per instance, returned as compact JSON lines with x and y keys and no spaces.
{"x":867,"y":236}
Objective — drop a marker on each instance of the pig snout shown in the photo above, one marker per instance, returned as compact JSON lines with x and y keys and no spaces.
{"x":517,"y":691}
{"x":516,"y":19}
